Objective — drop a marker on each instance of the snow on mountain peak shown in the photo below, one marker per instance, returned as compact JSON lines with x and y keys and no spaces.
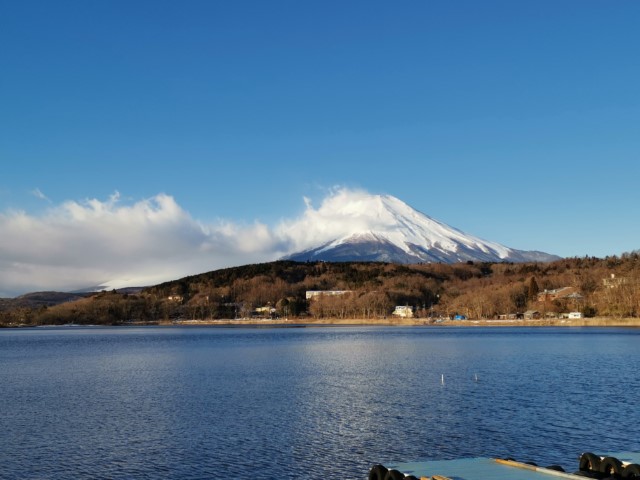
{"x":392,"y":219}
{"x":350,"y":222}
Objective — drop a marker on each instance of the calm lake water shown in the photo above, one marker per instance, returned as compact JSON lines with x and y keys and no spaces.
{"x":307,"y":403}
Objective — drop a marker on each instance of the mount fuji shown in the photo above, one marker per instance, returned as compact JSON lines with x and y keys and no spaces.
{"x":382,"y":228}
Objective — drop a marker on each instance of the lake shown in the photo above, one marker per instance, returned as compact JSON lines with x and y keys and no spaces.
{"x":308,"y":403}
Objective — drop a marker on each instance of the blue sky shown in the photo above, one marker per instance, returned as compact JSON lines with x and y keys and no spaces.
{"x":518,"y":122}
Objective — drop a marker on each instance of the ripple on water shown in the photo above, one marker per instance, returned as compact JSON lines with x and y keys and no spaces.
{"x":298,"y":403}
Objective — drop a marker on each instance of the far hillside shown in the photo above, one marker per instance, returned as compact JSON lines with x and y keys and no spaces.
{"x":608,"y":287}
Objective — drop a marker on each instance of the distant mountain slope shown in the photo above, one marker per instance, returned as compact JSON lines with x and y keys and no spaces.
{"x":397,"y":233}
{"x":39,"y":299}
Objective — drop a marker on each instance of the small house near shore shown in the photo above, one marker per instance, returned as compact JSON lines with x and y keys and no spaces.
{"x":403,"y":311}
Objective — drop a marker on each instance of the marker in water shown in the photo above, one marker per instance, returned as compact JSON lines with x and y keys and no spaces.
{"x":442,"y":379}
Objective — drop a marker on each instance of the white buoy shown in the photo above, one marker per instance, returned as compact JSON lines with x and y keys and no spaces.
{"x":476,"y":377}
{"x":442,"y":379}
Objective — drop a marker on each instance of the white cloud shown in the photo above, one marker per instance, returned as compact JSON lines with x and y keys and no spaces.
{"x":80,"y":244}
{"x":77,"y":245}
{"x":339,"y":214}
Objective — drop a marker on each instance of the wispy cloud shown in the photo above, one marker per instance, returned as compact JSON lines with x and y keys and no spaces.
{"x":38,"y":194}
{"x":113,"y":242}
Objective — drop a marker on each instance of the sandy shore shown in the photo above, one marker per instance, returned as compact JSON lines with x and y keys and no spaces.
{"x":556,"y":322}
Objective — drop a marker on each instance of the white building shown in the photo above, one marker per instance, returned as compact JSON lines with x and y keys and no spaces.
{"x":318,"y":293}
{"x":403,"y":311}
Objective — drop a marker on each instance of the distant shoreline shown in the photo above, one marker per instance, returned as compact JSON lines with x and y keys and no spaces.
{"x":345,"y":322}
{"x":555,"y":322}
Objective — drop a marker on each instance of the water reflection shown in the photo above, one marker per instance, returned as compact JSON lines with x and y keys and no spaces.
{"x":296,"y":403}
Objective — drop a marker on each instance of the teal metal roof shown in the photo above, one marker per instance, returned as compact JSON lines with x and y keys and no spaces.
{"x":626,"y":457}
{"x":480,"y":469}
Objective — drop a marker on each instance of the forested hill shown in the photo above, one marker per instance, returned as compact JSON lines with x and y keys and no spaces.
{"x":603,"y":287}
{"x":290,"y":278}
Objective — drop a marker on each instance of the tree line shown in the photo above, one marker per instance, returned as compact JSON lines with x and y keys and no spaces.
{"x":604,"y":287}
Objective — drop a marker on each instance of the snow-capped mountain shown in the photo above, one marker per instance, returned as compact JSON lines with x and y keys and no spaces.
{"x":385,"y":229}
